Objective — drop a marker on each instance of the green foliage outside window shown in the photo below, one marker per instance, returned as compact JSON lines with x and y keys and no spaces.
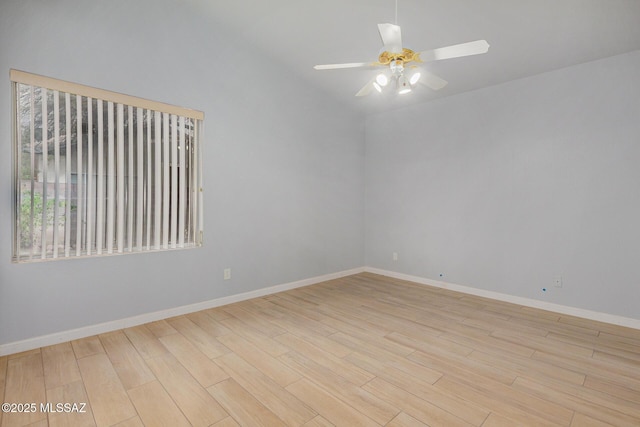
{"x":27,"y":238}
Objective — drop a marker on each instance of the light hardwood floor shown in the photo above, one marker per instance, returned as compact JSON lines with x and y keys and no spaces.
{"x":364,"y":350}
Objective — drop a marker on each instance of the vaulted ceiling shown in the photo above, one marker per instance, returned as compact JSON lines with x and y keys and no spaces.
{"x":527,"y":37}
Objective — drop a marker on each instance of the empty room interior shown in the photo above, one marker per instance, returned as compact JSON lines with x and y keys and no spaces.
{"x":215,"y":214}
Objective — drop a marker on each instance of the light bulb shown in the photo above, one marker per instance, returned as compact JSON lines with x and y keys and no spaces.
{"x":377,"y":86}
{"x":382,"y":80}
{"x":414,"y":78}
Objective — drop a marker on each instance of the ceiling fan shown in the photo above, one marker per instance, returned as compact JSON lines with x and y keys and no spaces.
{"x":399,"y":62}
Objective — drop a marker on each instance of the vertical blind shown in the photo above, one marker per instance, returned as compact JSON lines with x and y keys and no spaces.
{"x":100,"y":173}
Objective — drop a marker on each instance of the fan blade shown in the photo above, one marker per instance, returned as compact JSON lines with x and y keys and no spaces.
{"x":455,"y":51}
{"x":366,"y":89}
{"x":432,"y":81}
{"x":338,"y":66}
{"x":391,"y":37}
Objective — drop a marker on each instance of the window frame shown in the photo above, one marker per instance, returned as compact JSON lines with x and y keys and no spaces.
{"x":166,"y":116}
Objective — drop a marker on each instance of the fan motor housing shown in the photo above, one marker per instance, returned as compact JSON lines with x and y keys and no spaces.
{"x":407,"y":55}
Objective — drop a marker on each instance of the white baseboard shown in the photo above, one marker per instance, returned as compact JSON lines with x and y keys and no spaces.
{"x":527,"y":302}
{"x":87,"y":331}
{"x":101,"y":328}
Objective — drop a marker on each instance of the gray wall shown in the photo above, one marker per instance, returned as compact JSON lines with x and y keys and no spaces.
{"x":507,"y":187}
{"x":283,"y":163}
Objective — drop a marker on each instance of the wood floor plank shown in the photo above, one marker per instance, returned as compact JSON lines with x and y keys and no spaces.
{"x":24,"y":384}
{"x":379,"y":347}
{"x":349,"y":320}
{"x":550,"y":321}
{"x":405,"y":420}
{"x":242,"y":406}
{"x":327,"y":405}
{"x":405,"y":326}
{"x":354,"y":396}
{"x":200,"y":366}
{"x":131,"y":422}
{"x":87,"y":347}
{"x":255,"y":337}
{"x":542,"y":343}
{"x":494,"y":404}
{"x":462,"y":367}
{"x":413,"y":405}
{"x":126,"y":361}
{"x":145,"y":342}
{"x":207,"y":323}
{"x":269,"y":365}
{"x":41,"y":423}
{"x":3,"y":380}
{"x":109,"y":400}
{"x":422,"y":387}
{"x":60,"y":366}
{"x":77,"y":416}
{"x":155,"y":407}
{"x":24,"y":353}
{"x":192,"y":399}
{"x":323,"y":342}
{"x":595,"y":405}
{"x":535,"y":405}
{"x":217,"y":313}
{"x":227,"y":422}
{"x":525,"y":366}
{"x":489,"y":344}
{"x":274,"y":397}
{"x":207,"y":344}
{"x":160,"y":328}
{"x":599,"y":326}
{"x":252,"y":320}
{"x":581,"y":420}
{"x":427,"y":343}
{"x":621,"y":335}
{"x":628,"y":362}
{"x":318,"y":421}
{"x":340,"y":366}
{"x":289,"y":301}
{"x":496,"y":420}
{"x":297,"y":324}
{"x":601,"y":368}
{"x":620,"y":390}
{"x":605,"y":343}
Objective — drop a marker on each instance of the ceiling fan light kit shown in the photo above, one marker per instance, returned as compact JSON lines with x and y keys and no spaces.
{"x":382,"y":80}
{"x":395,"y":58}
{"x":403,"y":86}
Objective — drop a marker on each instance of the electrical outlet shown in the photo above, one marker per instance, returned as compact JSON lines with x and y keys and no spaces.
{"x":395,"y":256}
{"x":227,"y":273}
{"x":557,"y":281}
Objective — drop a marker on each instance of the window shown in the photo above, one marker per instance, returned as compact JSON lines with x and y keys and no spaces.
{"x":99,"y":173}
